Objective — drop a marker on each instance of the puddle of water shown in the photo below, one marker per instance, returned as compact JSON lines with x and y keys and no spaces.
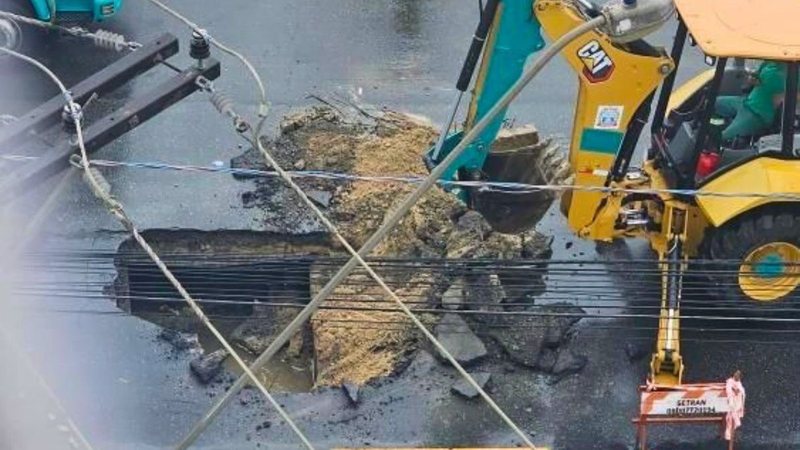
{"x":283,"y":373}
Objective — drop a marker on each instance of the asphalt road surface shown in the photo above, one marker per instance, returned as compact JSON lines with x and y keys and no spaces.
{"x":124,"y":389}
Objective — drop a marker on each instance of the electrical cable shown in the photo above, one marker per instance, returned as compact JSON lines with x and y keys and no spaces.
{"x":631,"y":294}
{"x":101,"y":189}
{"x":264,"y":104}
{"x":514,"y":274}
{"x":357,"y":293}
{"x":390,"y":222}
{"x":39,"y":216}
{"x":483,"y":262}
{"x":322,"y":260}
{"x":406,"y":326}
{"x":508,"y":187}
{"x":551,"y":302}
{"x":7,"y":119}
{"x":490,"y":311}
{"x":510,"y":273}
{"x":101,"y":38}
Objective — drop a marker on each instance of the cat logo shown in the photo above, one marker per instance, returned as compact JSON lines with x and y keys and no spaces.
{"x":597,"y":65}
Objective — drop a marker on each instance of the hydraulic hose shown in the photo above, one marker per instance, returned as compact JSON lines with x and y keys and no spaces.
{"x":389,"y":224}
{"x":476,"y":47}
{"x":478,"y":41}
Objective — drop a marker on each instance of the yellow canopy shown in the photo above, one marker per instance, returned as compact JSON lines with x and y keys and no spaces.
{"x":757,"y":29}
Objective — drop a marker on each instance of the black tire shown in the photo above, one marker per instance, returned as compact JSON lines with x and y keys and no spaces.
{"x":726,"y":248}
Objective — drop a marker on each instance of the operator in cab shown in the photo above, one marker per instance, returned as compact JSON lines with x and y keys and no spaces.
{"x":754,"y":113}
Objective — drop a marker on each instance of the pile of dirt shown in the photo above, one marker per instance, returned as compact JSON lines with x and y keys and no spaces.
{"x":358,"y":345}
{"x":362,"y":340}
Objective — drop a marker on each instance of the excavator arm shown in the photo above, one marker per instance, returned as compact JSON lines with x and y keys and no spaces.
{"x":513,"y":36}
{"x":506,"y":38}
{"x":615,"y":85}
{"x":616,"y":82}
{"x":617,"y":75}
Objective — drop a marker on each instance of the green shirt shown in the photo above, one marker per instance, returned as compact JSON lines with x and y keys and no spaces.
{"x":772,"y":82}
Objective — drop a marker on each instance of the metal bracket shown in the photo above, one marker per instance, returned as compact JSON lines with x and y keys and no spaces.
{"x":104,"y":81}
{"x":106,"y":129}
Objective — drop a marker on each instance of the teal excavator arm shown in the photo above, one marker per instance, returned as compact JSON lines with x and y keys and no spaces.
{"x":508,"y":34}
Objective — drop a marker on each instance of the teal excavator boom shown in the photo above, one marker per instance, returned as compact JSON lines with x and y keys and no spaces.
{"x":506,"y":37}
{"x":508,"y":34}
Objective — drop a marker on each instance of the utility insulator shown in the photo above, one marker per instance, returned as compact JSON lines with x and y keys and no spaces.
{"x":71,"y":112}
{"x":199,"y":48}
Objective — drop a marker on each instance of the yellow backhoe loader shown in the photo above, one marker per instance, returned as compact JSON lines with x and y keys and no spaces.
{"x":693,"y":195}
{"x":698,"y":199}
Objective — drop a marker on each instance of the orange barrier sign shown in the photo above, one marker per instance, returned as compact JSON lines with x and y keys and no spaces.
{"x":689,"y":400}
{"x":686,"y":404}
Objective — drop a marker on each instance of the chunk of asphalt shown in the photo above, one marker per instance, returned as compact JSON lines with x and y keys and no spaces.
{"x":473,"y":222}
{"x":466,"y":390}
{"x":527,"y":339}
{"x":207,"y":367}
{"x":179,"y":340}
{"x":453,"y":298}
{"x":351,"y":390}
{"x":547,"y":360}
{"x":321,"y":198}
{"x":456,"y":336}
{"x":569,"y":362}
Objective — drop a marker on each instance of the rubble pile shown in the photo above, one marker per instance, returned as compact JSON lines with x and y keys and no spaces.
{"x":355,"y":346}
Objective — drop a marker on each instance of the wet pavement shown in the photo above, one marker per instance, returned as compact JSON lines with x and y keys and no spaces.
{"x":125,"y":389}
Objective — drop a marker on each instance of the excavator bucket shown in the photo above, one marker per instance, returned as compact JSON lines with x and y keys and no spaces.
{"x":519,"y":156}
